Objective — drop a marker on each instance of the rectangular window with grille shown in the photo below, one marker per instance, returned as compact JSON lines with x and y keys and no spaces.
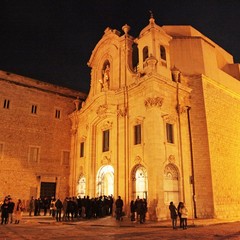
{"x":137,"y":134}
{"x":105,"y":140}
{"x":57,"y":114}
{"x":34,"y":109}
{"x":6,"y":104}
{"x":82,"y":149}
{"x":1,"y":151}
{"x":34,"y":154}
{"x":169,"y":132}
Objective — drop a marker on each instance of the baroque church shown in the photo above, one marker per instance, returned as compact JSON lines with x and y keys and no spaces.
{"x":160,"y":122}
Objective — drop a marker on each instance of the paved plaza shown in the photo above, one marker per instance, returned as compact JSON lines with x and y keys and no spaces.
{"x":46,"y":228}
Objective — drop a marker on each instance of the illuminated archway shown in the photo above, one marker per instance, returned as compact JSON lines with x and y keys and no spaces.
{"x":171,"y":184}
{"x":105,"y":181}
{"x":81,"y":187}
{"x":139,"y":182}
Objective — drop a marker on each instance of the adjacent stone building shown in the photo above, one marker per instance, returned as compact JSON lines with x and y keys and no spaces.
{"x":35,"y":137}
{"x":160,"y":122}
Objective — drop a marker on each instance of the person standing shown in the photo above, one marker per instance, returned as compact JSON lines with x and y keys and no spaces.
{"x":59,"y":206}
{"x":52,"y":207}
{"x":173,"y":214}
{"x":138,"y":207}
{"x":119,"y":206}
{"x":184,"y":215}
{"x":18,"y":211}
{"x":145,"y":209}
{"x":31,"y":206}
{"x":141,"y":211}
{"x":45,"y":203}
{"x":179,"y":213}
{"x":133,"y":210}
{"x":65,"y":204}
{"x":11,"y":206}
{"x":4,"y":210}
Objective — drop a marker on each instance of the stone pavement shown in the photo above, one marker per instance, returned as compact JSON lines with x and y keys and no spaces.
{"x":111,"y":222}
{"x":107,"y":228}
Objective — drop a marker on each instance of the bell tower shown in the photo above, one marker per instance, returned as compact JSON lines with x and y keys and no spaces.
{"x":153,"y":49}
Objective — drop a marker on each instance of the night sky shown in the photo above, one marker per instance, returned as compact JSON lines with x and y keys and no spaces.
{"x":52,"y":40}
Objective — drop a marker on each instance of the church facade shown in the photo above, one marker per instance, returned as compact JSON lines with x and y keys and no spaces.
{"x":160,"y":122}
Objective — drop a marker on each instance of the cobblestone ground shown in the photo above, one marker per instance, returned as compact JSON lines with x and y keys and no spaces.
{"x":109,"y":229}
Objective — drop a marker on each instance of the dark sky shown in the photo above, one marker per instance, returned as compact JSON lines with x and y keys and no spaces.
{"x":52,"y":40}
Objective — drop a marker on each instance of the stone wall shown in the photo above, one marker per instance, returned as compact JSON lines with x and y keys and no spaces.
{"x":21,"y":129}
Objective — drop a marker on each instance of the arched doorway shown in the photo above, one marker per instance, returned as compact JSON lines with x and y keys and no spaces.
{"x":105,"y":181}
{"x":171,"y":184}
{"x":81,"y":187}
{"x":139,"y":182}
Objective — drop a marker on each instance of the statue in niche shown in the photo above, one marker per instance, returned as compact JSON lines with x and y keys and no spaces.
{"x":106,"y":77}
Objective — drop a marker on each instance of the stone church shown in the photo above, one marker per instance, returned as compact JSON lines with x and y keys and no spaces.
{"x":160,"y":122}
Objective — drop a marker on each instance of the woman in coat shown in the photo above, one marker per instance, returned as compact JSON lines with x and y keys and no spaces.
{"x":18,"y":211}
{"x":184,"y":216}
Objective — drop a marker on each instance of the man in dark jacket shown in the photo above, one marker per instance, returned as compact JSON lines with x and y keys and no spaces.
{"x":4,"y":210}
{"x":59,"y":206}
{"x":119,"y":206}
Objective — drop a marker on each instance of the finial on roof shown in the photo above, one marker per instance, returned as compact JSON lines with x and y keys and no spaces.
{"x":126,"y":28}
{"x":151,"y":13}
{"x":151,"y":20}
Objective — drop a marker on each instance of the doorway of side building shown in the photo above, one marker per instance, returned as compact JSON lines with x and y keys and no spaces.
{"x":139,"y":182}
{"x":48,"y":189}
{"x":105,"y":181}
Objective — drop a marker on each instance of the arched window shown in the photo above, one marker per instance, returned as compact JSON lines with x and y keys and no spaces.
{"x":105,"y":181}
{"x":171,"y":184}
{"x":163,"y":53}
{"x":145,"y":53}
{"x":81,"y":187}
{"x":140,"y":182}
{"x":135,"y":57}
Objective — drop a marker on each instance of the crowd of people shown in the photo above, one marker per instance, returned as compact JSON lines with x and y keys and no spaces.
{"x":74,"y":208}
{"x":182,"y":212}
{"x":70,"y":209}
{"x":138,"y":210}
{"x":9,"y":208}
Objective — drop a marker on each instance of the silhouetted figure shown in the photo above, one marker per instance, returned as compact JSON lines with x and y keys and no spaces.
{"x":173,"y":214}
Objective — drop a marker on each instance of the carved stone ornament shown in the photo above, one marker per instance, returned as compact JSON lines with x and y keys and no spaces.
{"x":171,"y":159}
{"x":106,"y":125}
{"x":139,"y":120}
{"x":137,"y":160}
{"x":122,"y":112}
{"x":181,"y":108}
{"x":83,"y":138}
{"x":73,"y":131}
{"x":153,"y":102}
{"x":171,"y":172}
{"x":184,"y":103}
{"x":169,"y":119}
{"x":102,"y":109}
{"x":77,"y":103}
{"x":106,"y":160}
